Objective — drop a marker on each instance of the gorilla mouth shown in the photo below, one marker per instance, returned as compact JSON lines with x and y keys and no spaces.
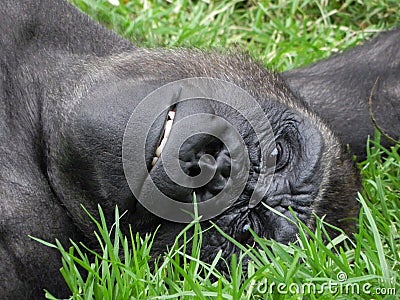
{"x":165,"y":134}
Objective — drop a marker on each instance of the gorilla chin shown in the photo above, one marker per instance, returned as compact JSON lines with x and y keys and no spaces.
{"x":68,"y":90}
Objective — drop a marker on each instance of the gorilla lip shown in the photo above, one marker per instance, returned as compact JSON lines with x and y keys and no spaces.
{"x":165,"y":135}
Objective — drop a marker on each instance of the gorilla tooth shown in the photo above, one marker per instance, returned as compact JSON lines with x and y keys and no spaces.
{"x":171,"y":114}
{"x":168,"y":126}
{"x":167,"y":131}
{"x":161,"y":147}
{"x":154,"y":161}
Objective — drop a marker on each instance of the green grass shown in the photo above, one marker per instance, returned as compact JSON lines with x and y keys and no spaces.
{"x":342,"y":268}
{"x":282,"y":34}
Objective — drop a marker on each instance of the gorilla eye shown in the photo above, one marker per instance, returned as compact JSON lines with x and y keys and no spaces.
{"x":281,"y":155}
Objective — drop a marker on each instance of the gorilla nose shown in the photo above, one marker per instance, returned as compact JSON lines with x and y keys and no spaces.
{"x":206,"y":153}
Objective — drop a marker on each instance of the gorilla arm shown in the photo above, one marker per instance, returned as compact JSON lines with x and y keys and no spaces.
{"x":339,"y":89}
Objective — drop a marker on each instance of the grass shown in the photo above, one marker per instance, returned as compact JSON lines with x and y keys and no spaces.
{"x":283,"y":34}
{"x":365,"y":267}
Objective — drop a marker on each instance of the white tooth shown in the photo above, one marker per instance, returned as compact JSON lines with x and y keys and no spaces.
{"x":168,"y":126}
{"x":167,"y":131}
{"x":163,"y":142}
{"x":158,"y":151}
{"x":154,"y":161}
{"x":171,"y":114}
{"x":161,"y":147}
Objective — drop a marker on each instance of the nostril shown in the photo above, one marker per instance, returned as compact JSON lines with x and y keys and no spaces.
{"x":194,"y":170}
{"x":205,"y":153}
{"x":245,"y":236}
{"x":206,"y":162}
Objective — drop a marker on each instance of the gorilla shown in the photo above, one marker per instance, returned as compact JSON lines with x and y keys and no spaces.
{"x":68,"y":89}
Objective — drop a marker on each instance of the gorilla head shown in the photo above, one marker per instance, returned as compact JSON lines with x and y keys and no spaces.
{"x":85,"y":138}
{"x":68,"y":89}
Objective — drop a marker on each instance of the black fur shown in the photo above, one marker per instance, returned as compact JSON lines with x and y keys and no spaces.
{"x":340,"y":88}
{"x":68,"y":88}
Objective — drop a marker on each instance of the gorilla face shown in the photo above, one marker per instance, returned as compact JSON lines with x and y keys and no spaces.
{"x":312,"y":173}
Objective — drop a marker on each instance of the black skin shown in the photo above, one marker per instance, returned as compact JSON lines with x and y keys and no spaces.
{"x":68,"y":88}
{"x":339,"y":89}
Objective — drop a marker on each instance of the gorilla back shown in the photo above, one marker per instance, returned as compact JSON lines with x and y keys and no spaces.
{"x":68,"y":88}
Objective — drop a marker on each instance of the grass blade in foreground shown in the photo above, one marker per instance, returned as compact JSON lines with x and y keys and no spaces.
{"x":363,"y":268}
